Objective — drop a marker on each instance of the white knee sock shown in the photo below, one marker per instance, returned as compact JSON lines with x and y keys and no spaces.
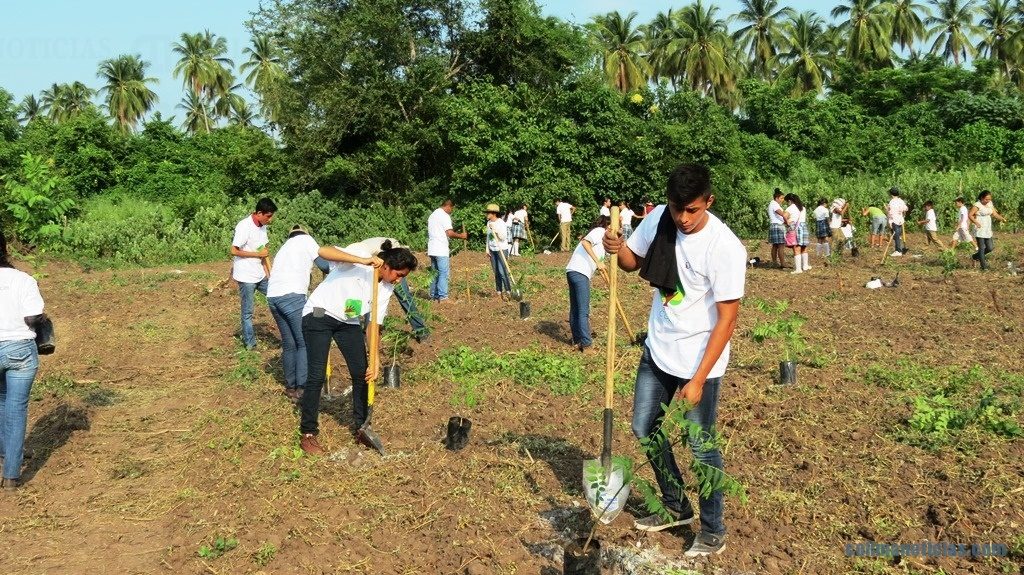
{"x":807,"y":260}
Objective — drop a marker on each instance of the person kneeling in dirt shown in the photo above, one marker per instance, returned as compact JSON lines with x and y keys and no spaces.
{"x":333,"y":312}
{"x":698,"y":266}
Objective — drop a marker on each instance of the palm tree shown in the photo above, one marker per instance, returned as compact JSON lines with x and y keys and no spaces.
{"x":762,"y":34}
{"x":805,"y":61}
{"x":264,"y":73}
{"x":707,"y":60}
{"x":907,"y":26}
{"x":241,"y":114}
{"x":128,"y":96}
{"x":952,"y":27}
{"x":64,"y":101}
{"x":225,"y":94}
{"x":197,"y":113}
{"x":867,"y":29}
{"x":202,"y":60}
{"x":658,"y":39}
{"x":1001,"y":32}
{"x":621,"y":47}
{"x":29,"y":109}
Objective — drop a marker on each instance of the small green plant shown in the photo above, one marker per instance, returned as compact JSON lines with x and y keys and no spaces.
{"x":248,"y":369}
{"x":219,"y":547}
{"x":31,"y":199}
{"x":784,"y":327}
{"x":265,"y":554}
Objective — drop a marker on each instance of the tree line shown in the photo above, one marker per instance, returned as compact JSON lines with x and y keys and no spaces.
{"x":389,"y":107}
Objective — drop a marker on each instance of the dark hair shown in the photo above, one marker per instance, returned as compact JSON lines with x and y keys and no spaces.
{"x":776,"y":193}
{"x":686,"y":183}
{"x":266,"y":206}
{"x":601,"y":222}
{"x":823,"y":202}
{"x":960,"y":199}
{"x":929,"y":203}
{"x":791,"y":197}
{"x":5,"y":260}
{"x":894,"y":191}
{"x":398,"y":258}
{"x":983,"y":194}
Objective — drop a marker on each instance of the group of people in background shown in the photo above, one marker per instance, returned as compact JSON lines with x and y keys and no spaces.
{"x":789,"y":227}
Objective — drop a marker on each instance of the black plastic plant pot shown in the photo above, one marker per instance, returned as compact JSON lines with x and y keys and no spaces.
{"x":524,"y":310}
{"x":576,"y":562}
{"x":787,"y":372}
{"x":458,"y":433}
{"x":393,"y":376}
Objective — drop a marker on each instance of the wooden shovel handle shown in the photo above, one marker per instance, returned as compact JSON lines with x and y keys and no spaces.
{"x":373,"y":329}
{"x":613,"y":288}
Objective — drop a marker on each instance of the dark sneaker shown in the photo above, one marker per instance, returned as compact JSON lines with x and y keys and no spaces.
{"x":310,"y":445}
{"x":294,"y":394}
{"x":658,"y":523}
{"x":706,"y":544}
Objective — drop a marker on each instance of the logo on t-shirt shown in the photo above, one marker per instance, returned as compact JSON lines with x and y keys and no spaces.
{"x":674,"y":298}
{"x":353,"y":308}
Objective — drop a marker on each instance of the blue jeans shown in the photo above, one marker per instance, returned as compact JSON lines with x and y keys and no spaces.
{"x":654,"y":387}
{"x":897,"y":237}
{"x":579,"y":308}
{"x":287,"y":312}
{"x":627,"y":230}
{"x":985,"y":246}
{"x":439,"y":283}
{"x":501,"y":281}
{"x":405,"y":299}
{"x":18,"y":364}
{"x":247,"y":293}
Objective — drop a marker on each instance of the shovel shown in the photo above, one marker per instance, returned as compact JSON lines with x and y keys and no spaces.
{"x":517,"y":294}
{"x":603,"y":481}
{"x":366,"y":434}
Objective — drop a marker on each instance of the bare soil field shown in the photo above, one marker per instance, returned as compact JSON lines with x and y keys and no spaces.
{"x":156,"y":446}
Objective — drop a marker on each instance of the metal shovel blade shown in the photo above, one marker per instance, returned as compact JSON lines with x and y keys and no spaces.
{"x":370,"y":438}
{"x":606,"y":491}
{"x":517,"y":294}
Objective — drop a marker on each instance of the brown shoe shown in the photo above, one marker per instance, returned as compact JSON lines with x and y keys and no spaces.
{"x":295,"y":394}
{"x":310,"y":445}
{"x":9,"y":484}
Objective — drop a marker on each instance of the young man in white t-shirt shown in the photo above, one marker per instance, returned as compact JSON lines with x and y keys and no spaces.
{"x":587,"y":258}
{"x":689,"y":329}
{"x":896,"y":212}
{"x":564,"y":210}
{"x":838,"y":210}
{"x":606,"y":207}
{"x":497,"y":245}
{"x":250,"y":266}
{"x":439,"y":230}
{"x":931,"y":225}
{"x":963,"y":223}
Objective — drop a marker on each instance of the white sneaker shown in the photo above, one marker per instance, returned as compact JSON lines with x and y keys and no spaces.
{"x":896,"y":254}
{"x":797,"y":271}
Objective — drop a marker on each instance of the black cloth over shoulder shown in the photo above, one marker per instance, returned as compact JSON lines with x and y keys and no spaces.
{"x":659,"y":267}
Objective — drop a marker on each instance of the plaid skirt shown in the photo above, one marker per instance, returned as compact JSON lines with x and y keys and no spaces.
{"x":822,"y":229}
{"x":777,"y":234}
{"x":803,"y":237}
{"x":518,"y":230}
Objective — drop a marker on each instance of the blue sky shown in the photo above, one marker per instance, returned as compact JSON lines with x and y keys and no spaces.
{"x":64,"y":40}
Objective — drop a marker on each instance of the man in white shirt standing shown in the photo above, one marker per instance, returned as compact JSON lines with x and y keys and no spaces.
{"x":439,"y":229}
{"x":698,"y":267}
{"x":838,"y":209}
{"x":564,"y":211}
{"x":897,"y":211}
{"x":606,"y":207}
{"x":250,"y":266}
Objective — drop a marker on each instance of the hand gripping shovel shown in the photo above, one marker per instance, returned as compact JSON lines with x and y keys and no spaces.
{"x":366,"y":434}
{"x":604,"y":481}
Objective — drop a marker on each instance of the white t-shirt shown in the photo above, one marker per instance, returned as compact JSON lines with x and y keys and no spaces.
{"x":346,"y":294}
{"x":249,"y":238}
{"x":19,"y":298}
{"x":626,"y":217}
{"x":963,"y":219}
{"x":712,"y":266}
{"x":438,"y":225}
{"x":930,"y":225}
{"x":796,"y":215}
{"x":820,"y":213}
{"x":606,"y":211}
{"x":837,"y":220}
{"x":520,"y":215}
{"x":292,"y":263}
{"x":497,"y":235}
{"x":897,"y":207}
{"x":847,"y":231}
{"x":371,"y":246}
{"x":773,"y":217}
{"x":564,"y":211}
{"x":581,"y":261}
